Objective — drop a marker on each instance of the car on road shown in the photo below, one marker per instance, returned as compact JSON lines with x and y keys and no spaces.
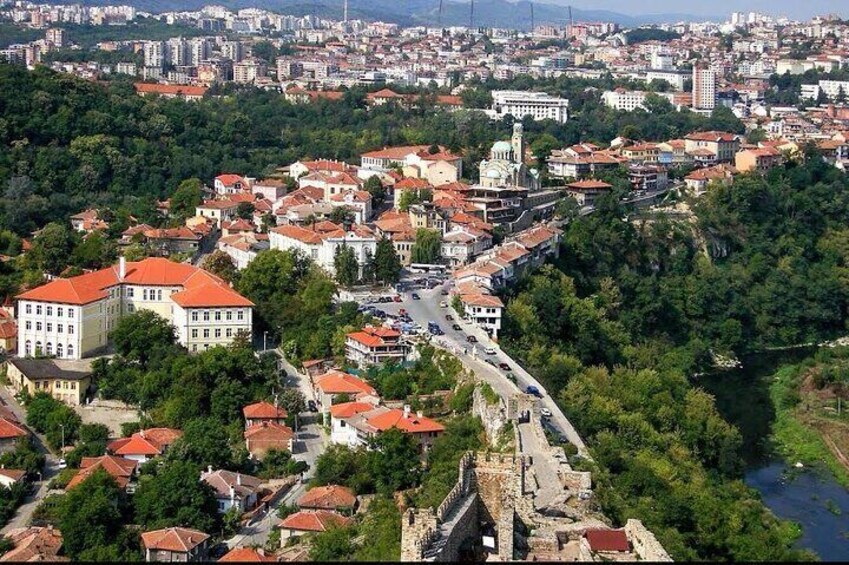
{"x":504,"y":366}
{"x":456,"y":327}
{"x":379,"y":314}
{"x":449,"y":317}
{"x":489,"y":350}
{"x":491,"y":362}
{"x":510,"y":376}
{"x":443,"y":304}
{"x":63,"y":464}
{"x":532,"y":390}
{"x":443,"y":292}
{"x":311,"y":406}
{"x":415,"y":296}
{"x":471,"y":339}
{"x":396,"y":298}
{"x":545,"y":412}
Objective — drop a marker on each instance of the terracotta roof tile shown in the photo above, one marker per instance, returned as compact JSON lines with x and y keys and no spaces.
{"x":174,"y":539}
{"x":318,"y":521}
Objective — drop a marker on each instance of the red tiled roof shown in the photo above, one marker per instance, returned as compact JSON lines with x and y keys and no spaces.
{"x":10,"y":429}
{"x":118,"y":468}
{"x":330,"y":497}
{"x":150,"y":442}
{"x":263,"y":409}
{"x":246,"y":555}
{"x":318,"y":521}
{"x":269,"y":431}
{"x":169,"y":89}
{"x":337,"y":382}
{"x":228,"y":179}
{"x":348,"y":409}
{"x":412,"y":423}
{"x":173,"y":539}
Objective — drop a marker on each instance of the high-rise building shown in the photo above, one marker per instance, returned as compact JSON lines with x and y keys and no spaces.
{"x":199,"y":50}
{"x":704,"y":87}
{"x":57,"y":36}
{"x":178,"y":51}
{"x":233,"y":50}
{"x":154,"y":54}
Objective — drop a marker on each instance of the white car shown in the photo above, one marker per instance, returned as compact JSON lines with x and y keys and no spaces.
{"x":546,"y":413}
{"x":489,"y":350}
{"x":443,"y":304}
{"x":62,"y":464}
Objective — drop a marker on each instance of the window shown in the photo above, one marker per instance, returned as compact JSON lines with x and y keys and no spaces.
{"x":70,"y":328}
{"x":218,"y":315}
{"x":144,"y":294}
{"x":38,"y":310}
{"x":159,"y":294}
{"x":28,"y":348}
{"x":194,"y":347}
{"x":229,"y":315}
{"x":38,"y":326}
{"x":229,"y":332}
{"x":130,"y":308}
{"x":129,"y":292}
{"x":194,"y":315}
{"x":59,"y":312}
{"x":70,"y":350}
{"x":240,"y":315}
{"x":59,"y":350}
{"x":206,"y":315}
{"x":194,"y":333}
{"x":73,"y":386}
{"x":70,"y":313}
{"x":59,"y":328}
{"x":49,"y":349}
{"x":49,"y":310}
{"x":49,"y":327}
{"x":29,"y":325}
{"x":342,"y":423}
{"x":29,"y":308}
{"x":217,"y":332}
{"x":206,"y":333}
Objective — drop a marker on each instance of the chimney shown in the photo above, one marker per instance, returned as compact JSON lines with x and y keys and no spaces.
{"x":141,"y":433}
{"x":122,"y":268}
{"x":232,"y":493}
{"x":239,"y":479}
{"x":419,"y":414}
{"x":209,"y":469}
{"x":406,"y":411}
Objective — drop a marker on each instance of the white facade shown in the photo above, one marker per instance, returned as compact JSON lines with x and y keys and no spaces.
{"x":704,"y":88}
{"x":538,"y":105}
{"x":629,"y":100}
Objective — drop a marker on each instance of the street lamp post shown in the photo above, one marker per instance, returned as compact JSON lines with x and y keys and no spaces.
{"x":264,"y":340}
{"x":63,"y":436}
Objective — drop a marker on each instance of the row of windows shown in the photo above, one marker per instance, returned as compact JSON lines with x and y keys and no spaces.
{"x":206,"y":332}
{"x":216,"y":315}
{"x":48,"y":310}
{"x":58,"y":386}
{"x":59,"y":327}
{"x":48,"y":350}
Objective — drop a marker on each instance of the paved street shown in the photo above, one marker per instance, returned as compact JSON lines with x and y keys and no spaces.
{"x":311,"y":442}
{"x":23,"y":515}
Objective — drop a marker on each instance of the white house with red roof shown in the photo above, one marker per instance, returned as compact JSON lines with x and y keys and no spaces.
{"x":335,"y":383}
{"x":374,"y":346}
{"x":144,"y":445}
{"x":175,"y":544}
{"x":228,"y":183}
{"x":320,"y":242}
{"x":355,"y":423}
{"x":263,"y":411}
{"x":71,"y":318}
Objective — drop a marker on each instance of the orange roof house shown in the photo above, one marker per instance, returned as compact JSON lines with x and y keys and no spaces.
{"x":145,"y":444}
{"x":175,"y":544}
{"x":119,"y":468}
{"x":302,"y":522}
{"x":246,"y":555}
{"x":263,"y":412}
{"x":330,"y":497}
{"x":264,"y":436}
{"x":334,"y":383}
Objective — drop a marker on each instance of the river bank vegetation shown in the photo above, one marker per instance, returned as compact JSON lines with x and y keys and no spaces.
{"x":632,"y":309}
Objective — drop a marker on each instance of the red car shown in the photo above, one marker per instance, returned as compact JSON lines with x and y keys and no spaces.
{"x":402,"y":311}
{"x":396,"y":298}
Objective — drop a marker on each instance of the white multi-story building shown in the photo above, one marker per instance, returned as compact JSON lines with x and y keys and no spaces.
{"x":629,"y":100}
{"x":320,"y":245}
{"x":674,"y":78}
{"x":833,"y":89}
{"x":704,"y":88}
{"x":71,"y":318}
{"x":155,"y":54}
{"x":199,"y":50}
{"x":249,"y":70}
{"x":538,"y":105}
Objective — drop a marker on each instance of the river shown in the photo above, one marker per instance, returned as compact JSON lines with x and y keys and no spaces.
{"x":810,"y":497}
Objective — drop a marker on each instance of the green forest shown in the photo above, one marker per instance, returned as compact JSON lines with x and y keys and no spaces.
{"x":632,"y":309}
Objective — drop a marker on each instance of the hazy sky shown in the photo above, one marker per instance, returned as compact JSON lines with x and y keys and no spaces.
{"x":791,"y":8}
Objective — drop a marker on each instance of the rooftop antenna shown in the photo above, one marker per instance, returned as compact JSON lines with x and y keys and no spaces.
{"x":472,"y":15}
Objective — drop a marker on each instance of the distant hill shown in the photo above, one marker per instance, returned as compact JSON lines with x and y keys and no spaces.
{"x":488,"y":13}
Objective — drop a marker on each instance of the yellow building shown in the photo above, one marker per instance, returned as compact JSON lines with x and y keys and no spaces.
{"x":66,"y":381}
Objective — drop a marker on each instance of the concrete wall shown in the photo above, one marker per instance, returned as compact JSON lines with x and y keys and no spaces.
{"x":644,"y":543}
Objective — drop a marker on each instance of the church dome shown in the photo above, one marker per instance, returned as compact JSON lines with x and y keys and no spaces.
{"x":501,"y":147}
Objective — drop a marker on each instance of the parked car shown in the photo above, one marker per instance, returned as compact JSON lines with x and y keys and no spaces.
{"x":443,"y":292}
{"x":545,"y":412}
{"x":489,"y":351}
{"x":471,"y":339}
{"x":532,"y":390}
{"x":415,"y":296}
{"x":396,"y":298}
{"x":491,"y":362}
{"x":504,"y":366}
{"x":456,"y":327}
{"x":311,"y":406}
{"x":63,"y":464}
{"x":449,"y":317}
{"x":443,"y":304}
{"x":510,"y":376}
